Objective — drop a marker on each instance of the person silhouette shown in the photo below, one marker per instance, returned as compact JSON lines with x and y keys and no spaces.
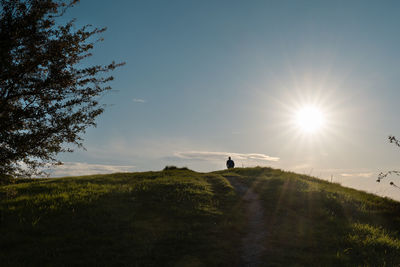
{"x":229,"y":163}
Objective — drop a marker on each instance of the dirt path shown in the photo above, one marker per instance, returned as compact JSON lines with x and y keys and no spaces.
{"x":252,"y":243}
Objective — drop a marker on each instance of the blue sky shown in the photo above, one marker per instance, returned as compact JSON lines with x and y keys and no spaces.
{"x":208,"y":79}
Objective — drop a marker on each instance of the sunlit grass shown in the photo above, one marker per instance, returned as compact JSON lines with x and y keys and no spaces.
{"x":178,"y":217}
{"x":142,"y":218}
{"x":311,"y":222}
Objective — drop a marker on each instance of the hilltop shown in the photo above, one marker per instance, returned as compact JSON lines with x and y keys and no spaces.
{"x":178,"y":217}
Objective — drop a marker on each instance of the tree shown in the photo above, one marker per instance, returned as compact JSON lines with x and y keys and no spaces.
{"x":47,"y":97}
{"x":382,"y":175}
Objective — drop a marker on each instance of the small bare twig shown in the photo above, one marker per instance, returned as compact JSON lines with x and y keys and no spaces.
{"x":382,"y":175}
{"x":393,"y":184}
{"x":386,"y":174}
{"x":394,"y":140}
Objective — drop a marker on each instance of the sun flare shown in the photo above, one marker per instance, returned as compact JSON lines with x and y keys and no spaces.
{"x":309,"y":119}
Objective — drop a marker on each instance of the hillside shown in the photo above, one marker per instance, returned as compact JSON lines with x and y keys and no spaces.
{"x":177,"y":217}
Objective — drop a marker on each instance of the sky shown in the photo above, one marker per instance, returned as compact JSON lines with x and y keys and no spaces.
{"x":205,"y":80}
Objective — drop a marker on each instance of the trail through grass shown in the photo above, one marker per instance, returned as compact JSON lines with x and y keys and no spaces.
{"x":310,"y":222}
{"x":179,"y":217}
{"x":252,"y":245}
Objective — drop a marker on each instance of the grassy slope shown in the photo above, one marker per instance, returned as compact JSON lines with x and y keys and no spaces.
{"x":181,"y":218}
{"x":312,"y":222}
{"x":164,"y":218}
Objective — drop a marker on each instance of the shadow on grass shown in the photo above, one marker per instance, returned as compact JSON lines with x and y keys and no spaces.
{"x":178,"y":217}
{"x":175,"y":217}
{"x":311,"y":222}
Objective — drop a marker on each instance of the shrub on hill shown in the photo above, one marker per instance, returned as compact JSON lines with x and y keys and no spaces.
{"x":172,"y":167}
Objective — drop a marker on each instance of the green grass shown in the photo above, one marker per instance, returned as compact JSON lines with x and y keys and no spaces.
{"x":178,"y":217}
{"x":174,"y":217}
{"x":311,"y":222}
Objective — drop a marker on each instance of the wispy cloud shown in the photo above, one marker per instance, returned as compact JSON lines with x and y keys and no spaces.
{"x":210,"y":155}
{"x":82,"y":168}
{"x":139,"y":100}
{"x":360,"y":174}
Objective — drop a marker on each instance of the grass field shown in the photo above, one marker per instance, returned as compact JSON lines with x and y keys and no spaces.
{"x":311,"y":222}
{"x":174,"y":217}
{"x":179,"y":217}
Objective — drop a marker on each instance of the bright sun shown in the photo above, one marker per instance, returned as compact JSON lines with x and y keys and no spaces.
{"x":309,"y":119}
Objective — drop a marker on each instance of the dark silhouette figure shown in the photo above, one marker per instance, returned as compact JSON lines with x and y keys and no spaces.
{"x":229,"y":163}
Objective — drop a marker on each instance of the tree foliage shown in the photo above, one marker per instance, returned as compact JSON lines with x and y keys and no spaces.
{"x":47,"y":97}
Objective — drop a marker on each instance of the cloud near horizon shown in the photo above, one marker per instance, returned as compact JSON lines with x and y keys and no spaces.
{"x":82,"y":168}
{"x":211,"y":156}
{"x":361,"y":174}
